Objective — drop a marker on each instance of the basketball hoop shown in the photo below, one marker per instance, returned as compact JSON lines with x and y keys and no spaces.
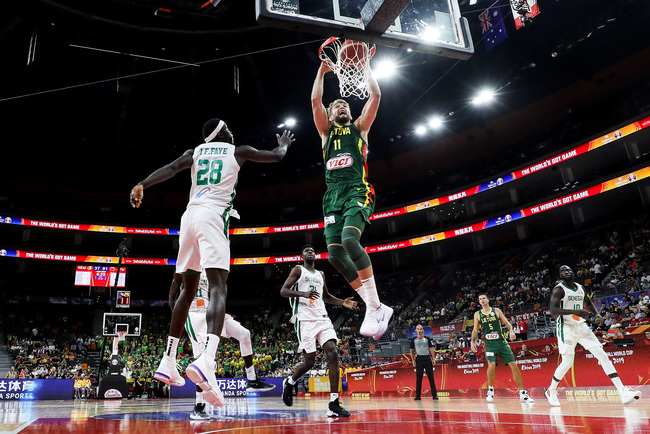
{"x":121,"y":335}
{"x":349,"y":60}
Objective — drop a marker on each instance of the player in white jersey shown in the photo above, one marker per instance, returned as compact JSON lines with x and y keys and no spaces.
{"x":570,"y":303}
{"x":308,"y":294}
{"x":196,"y":328}
{"x":203,"y":241}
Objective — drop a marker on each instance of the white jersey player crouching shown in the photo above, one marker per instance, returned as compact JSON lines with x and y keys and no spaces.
{"x":568,"y":302}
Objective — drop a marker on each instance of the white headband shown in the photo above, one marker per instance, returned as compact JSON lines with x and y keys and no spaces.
{"x":215,"y":132}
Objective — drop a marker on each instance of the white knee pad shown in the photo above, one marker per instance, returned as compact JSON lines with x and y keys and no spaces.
{"x":243,"y":335}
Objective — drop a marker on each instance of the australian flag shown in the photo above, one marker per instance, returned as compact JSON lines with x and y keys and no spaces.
{"x":492,"y":26}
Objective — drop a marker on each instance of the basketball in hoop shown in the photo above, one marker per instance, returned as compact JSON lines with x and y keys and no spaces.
{"x":352,"y":53}
{"x":350,"y":61}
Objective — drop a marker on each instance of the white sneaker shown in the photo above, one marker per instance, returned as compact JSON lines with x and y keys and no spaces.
{"x":490,"y":395}
{"x":629,"y":395}
{"x":373,"y":320}
{"x":383,"y":324}
{"x":168,"y":373}
{"x":525,"y":397}
{"x":551,"y":397}
{"x":201,"y":372}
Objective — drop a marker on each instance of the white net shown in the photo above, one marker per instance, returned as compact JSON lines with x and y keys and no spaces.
{"x":350,"y":65}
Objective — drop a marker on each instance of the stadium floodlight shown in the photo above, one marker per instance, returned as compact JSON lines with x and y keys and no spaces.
{"x":435,"y":122}
{"x":484,"y":96}
{"x":384,"y":68}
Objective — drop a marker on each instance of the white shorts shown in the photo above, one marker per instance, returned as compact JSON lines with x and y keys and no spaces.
{"x":569,"y":335}
{"x":310,"y":331}
{"x":197,"y":329}
{"x":203,"y":241}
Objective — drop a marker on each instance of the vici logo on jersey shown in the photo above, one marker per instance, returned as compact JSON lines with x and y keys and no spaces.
{"x":343,"y":160}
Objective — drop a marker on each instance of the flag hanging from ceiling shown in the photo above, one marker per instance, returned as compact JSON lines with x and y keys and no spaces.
{"x":530,"y":7}
{"x":492,"y":26}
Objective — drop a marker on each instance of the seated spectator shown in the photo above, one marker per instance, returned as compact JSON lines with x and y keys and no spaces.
{"x":523,"y":352}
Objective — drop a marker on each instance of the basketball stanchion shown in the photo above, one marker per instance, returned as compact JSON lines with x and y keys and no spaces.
{"x":350,"y":61}
{"x":113,"y":385}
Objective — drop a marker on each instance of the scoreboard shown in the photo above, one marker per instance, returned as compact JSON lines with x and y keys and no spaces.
{"x":89,"y":275}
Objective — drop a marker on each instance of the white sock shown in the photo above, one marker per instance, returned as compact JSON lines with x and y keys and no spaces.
{"x":370,"y":292}
{"x":618,"y":383}
{"x":554,"y":384}
{"x":334,"y":396}
{"x":211,"y":345}
{"x":250,"y":373}
{"x":172,"y":346}
{"x":199,"y":398}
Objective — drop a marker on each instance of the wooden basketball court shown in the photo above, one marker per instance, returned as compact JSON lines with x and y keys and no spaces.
{"x":307,"y":415}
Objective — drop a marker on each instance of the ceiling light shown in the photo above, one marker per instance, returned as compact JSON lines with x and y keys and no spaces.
{"x":435,"y":122}
{"x":484,"y":96}
{"x":384,"y":69}
{"x":420,"y":130}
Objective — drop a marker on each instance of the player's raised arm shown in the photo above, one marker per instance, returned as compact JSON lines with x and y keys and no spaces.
{"x":369,"y":112}
{"x":318,"y":109}
{"x":248,"y":153}
{"x":163,"y":174}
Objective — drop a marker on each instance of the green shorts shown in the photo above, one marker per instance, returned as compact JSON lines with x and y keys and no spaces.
{"x":498,"y":348}
{"x":344,"y":200}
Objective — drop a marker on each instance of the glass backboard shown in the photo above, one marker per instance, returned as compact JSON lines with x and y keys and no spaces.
{"x":429,"y":26}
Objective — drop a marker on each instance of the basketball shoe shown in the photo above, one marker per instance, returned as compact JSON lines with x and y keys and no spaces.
{"x":334,"y":409}
{"x":524,"y":397}
{"x":201,"y":372}
{"x":258,"y":385}
{"x":287,"y":393}
{"x":629,"y":395}
{"x":551,"y":397}
{"x":167,"y":372}
{"x":375,"y":322}
{"x":199,"y":413}
{"x":490,"y":394}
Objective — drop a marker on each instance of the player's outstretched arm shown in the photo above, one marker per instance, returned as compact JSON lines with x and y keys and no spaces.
{"x":293,"y":277}
{"x":329,"y":298}
{"x":318,"y":109}
{"x":245,"y":153}
{"x":163,"y":174}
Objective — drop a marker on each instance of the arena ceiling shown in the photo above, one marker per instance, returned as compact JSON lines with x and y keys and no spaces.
{"x":95,"y":95}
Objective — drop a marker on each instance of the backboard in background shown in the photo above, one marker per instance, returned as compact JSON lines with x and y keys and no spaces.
{"x":429,"y":26}
{"x":113,"y":322}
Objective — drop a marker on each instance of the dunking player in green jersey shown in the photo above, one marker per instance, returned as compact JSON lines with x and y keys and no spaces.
{"x":489,"y":319}
{"x":348,"y":202}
